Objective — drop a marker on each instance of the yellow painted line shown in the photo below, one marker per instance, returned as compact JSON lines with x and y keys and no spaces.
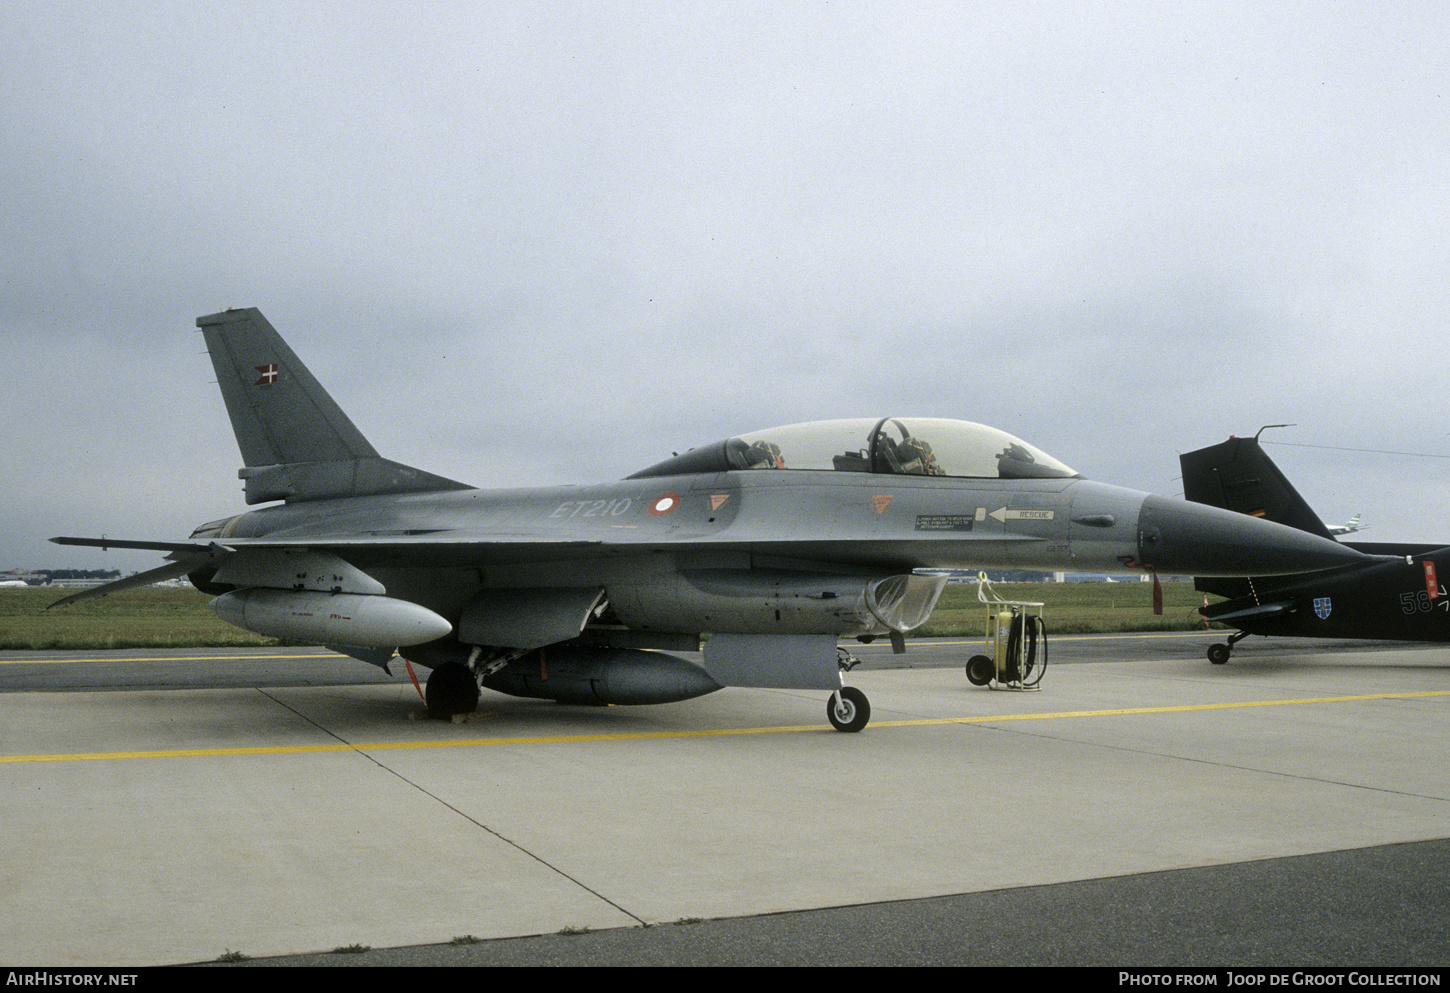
{"x":712,"y":733}
{"x":1107,"y":636}
{"x":1180,"y":709}
{"x":170,"y":658}
{"x":392,"y":746}
{"x":1138,"y":634}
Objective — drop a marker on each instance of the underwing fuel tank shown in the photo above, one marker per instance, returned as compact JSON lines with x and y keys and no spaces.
{"x":365,"y":621}
{"x":602,"y":676}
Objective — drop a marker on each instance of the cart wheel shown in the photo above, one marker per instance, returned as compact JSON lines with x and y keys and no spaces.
{"x":980,"y":670}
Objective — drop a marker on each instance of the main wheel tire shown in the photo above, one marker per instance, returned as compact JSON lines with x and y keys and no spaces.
{"x":1218,"y":654}
{"x":980,"y":670}
{"x":848,"y":709}
{"x":451,"y":690}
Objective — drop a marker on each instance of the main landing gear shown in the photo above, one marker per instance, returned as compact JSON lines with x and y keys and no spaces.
{"x":1218,"y":654}
{"x":452,"y":689}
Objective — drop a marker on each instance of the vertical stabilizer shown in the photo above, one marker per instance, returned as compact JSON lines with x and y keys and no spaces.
{"x":1238,"y":475}
{"x":296,"y":442}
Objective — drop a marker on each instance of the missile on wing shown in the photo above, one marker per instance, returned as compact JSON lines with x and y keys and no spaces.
{"x":330,"y":618}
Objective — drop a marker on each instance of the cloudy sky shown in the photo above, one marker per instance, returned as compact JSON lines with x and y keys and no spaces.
{"x":555,"y":242}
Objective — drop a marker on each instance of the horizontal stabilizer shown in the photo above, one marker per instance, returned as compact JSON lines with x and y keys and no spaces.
{"x":1257,"y":612}
{"x":186,"y":559}
{"x":176,"y":548}
{"x":1397,"y":549}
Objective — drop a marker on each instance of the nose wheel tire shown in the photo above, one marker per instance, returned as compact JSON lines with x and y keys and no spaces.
{"x":848,"y":709}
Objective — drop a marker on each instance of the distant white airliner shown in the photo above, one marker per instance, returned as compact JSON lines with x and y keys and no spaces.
{"x":1349,"y":527}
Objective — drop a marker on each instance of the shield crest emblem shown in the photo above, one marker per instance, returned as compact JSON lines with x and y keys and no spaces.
{"x":1322,"y":608}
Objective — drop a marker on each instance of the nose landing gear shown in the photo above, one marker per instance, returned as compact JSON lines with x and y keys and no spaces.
{"x":848,"y":709}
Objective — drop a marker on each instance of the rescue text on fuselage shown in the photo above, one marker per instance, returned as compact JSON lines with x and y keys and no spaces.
{"x":769,"y":546}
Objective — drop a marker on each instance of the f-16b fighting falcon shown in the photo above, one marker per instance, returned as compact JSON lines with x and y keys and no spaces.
{"x":767,"y":547}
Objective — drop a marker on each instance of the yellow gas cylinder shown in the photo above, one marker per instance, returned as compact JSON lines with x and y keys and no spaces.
{"x":1004,"y":629}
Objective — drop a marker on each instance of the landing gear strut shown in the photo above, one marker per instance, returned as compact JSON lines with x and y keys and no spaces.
{"x":848,"y":708}
{"x":1218,"y":654}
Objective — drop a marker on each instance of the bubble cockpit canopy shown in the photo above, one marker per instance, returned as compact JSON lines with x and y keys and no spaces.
{"x":909,"y":446}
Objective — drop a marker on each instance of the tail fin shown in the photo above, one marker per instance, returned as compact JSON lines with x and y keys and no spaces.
{"x":1237,"y":475}
{"x":296,"y":442}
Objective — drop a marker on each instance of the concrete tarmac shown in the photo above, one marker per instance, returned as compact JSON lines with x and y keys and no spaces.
{"x":161,"y":825}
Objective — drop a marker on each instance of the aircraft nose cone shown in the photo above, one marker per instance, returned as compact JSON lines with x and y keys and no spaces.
{"x":1192,"y":539}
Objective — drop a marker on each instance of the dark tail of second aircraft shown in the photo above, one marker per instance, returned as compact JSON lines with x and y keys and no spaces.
{"x":1396,"y":595}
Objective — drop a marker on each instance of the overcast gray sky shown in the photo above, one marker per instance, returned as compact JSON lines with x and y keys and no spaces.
{"x":555,"y":242}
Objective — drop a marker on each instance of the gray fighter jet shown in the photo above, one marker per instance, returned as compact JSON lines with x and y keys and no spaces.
{"x":768,"y":547}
